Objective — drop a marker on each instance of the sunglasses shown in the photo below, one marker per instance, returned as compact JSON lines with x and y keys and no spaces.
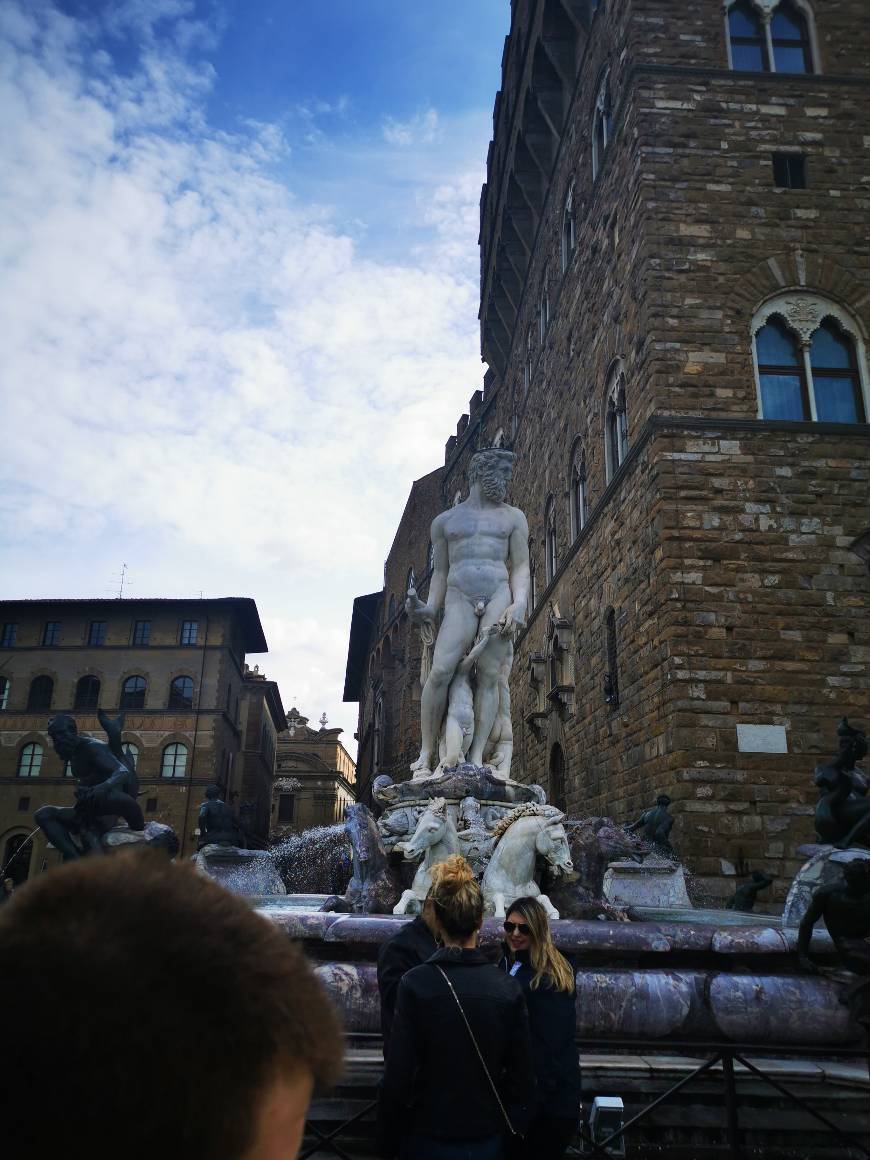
{"x":519,"y":927}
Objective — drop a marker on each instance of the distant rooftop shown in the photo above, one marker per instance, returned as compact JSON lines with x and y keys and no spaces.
{"x":246,"y":609}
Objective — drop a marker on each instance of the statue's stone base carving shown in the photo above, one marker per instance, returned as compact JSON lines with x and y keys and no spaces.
{"x":653,"y":882}
{"x":458,"y":782}
{"x":242,"y":871}
{"x":155,"y":836}
{"x":823,"y":868}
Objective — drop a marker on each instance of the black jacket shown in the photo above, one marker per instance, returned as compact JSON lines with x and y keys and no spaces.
{"x":409,"y":947}
{"x":552,"y":1024}
{"x":434,"y":1083}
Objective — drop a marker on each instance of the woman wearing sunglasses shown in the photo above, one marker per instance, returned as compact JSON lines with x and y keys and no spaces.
{"x":547,"y":980}
{"x":458,"y":1072}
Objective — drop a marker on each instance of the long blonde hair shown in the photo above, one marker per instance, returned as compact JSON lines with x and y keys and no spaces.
{"x":546,"y":959}
{"x":456,"y":897}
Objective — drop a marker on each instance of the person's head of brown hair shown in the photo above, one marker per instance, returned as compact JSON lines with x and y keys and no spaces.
{"x":167,"y":1009}
{"x":456,"y":897}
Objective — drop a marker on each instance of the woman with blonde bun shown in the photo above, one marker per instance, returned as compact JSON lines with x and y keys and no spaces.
{"x":458,"y":1071}
{"x":547,"y":981}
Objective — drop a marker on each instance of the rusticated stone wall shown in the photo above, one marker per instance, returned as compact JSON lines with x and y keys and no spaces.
{"x":723,"y":544}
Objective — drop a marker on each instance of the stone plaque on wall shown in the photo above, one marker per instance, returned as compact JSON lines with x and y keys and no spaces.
{"x":761,"y":739}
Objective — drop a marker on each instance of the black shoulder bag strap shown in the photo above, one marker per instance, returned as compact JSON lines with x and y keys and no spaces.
{"x":507,"y":1118}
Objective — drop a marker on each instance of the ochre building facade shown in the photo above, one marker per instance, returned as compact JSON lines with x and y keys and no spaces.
{"x":675,"y":301}
{"x":315,"y":777}
{"x":175,"y":669}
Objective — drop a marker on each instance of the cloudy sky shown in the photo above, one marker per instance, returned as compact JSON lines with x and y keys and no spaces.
{"x":238,"y":300}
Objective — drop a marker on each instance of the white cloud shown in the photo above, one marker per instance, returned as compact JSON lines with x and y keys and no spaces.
{"x":421,"y":129}
{"x":200,"y":373}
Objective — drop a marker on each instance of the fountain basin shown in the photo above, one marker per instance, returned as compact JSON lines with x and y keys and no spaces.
{"x":649,"y":980}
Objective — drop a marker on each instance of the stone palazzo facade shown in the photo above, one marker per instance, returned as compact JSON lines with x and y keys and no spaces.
{"x":675,"y":303}
{"x":194,"y":713}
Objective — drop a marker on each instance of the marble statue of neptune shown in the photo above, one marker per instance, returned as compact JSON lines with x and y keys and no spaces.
{"x":480,"y":580}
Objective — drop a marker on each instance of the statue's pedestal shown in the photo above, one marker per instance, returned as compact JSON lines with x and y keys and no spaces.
{"x":823,"y":868}
{"x":654,"y":882}
{"x":242,"y":871}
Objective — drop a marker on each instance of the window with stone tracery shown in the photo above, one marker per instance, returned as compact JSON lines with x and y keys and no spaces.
{"x":771,"y":36}
{"x":810,"y":361}
{"x":577,"y":495}
{"x":568,"y":234}
{"x":615,"y":423}
{"x":550,"y":552}
{"x":602,"y":124}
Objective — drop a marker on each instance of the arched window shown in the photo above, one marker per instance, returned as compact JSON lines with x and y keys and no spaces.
{"x":30,"y":760}
{"x":790,"y":40}
{"x":181,"y":693}
{"x":544,"y":311}
{"x":602,"y":124}
{"x":747,"y":37}
{"x":133,"y":693}
{"x":16,"y":859}
{"x":4,"y":692}
{"x":87,"y":693}
{"x":131,"y":752}
{"x":557,"y":778}
{"x":810,"y":361}
{"x":568,"y":234}
{"x":40,"y":694}
{"x":577,"y":493}
{"x":551,"y":559}
{"x":174,"y":763}
{"x":611,"y":675}
{"x":533,"y":577}
{"x":615,"y":423}
{"x":777,"y":40}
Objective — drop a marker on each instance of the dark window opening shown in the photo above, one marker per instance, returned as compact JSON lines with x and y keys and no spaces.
{"x":286,"y":806}
{"x":133,"y":693}
{"x":557,"y":778}
{"x":10,"y":633}
{"x":189,"y":631}
{"x":790,"y":170}
{"x":51,"y":633}
{"x":16,"y":858}
{"x":748,"y":43}
{"x":142,"y":632}
{"x":87,"y":693}
{"x":611,"y":676}
{"x":97,"y":633}
{"x":150,"y":805}
{"x":181,"y":693}
{"x":40,"y":694}
{"x":23,"y":804}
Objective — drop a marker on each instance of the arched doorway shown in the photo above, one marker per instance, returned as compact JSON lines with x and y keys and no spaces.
{"x":557,"y":777}
{"x":16,"y":858}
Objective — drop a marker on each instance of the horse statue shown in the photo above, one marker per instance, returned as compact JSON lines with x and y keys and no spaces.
{"x":521,"y":837}
{"x":434,"y":839}
{"x":373,"y":885}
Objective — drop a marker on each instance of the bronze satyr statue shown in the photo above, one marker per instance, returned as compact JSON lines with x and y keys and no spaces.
{"x":655,"y":825}
{"x":217,"y":826}
{"x":843,"y":809}
{"x":845,"y":908}
{"x":106,"y":790}
{"x":745,"y":896}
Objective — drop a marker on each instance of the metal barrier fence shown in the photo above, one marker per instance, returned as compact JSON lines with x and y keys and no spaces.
{"x":718,"y":1060}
